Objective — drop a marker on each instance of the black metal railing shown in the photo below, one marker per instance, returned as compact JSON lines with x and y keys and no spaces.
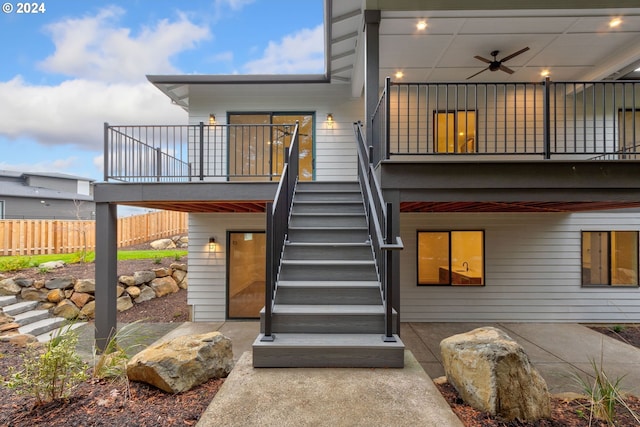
{"x":178,"y":153}
{"x":278,"y":214}
{"x":379,"y":218}
{"x":545,"y":119}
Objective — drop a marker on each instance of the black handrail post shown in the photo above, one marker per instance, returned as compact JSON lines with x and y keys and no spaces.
{"x":106,"y":152}
{"x":201,"y":143}
{"x":387,"y":119}
{"x":388,"y":273}
{"x":546,"y":111}
{"x":268,"y":336}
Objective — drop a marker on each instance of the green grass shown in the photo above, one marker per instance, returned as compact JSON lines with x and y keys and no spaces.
{"x":13,"y":263}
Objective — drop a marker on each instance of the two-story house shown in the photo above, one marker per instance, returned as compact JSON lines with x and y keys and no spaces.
{"x":40,"y":195}
{"x":458,"y":161}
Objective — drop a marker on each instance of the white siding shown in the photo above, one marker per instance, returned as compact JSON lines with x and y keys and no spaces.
{"x":532,"y":271}
{"x":335,"y":150}
{"x":208,"y":270}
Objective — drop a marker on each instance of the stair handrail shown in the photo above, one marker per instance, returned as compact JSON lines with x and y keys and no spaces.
{"x":277,"y":229}
{"x":379,"y":215}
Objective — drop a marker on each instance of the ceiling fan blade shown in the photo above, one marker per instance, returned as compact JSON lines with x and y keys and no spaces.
{"x":484,"y":69}
{"x":506,"y":69}
{"x":506,"y":58}
{"x":480,"y":58}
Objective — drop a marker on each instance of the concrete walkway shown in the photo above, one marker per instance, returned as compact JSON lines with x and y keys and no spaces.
{"x":382,"y":397}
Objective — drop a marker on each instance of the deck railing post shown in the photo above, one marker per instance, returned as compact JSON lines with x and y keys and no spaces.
{"x":387,"y":120}
{"x":201,"y":145}
{"x":546,"y":117}
{"x":388,"y":277}
{"x":106,"y":152}
{"x":268,"y":336}
{"x":158,"y":164}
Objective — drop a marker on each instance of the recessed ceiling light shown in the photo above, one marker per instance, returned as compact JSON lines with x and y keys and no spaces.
{"x":615,"y":22}
{"x":421,"y":25}
{"x":399,"y":74}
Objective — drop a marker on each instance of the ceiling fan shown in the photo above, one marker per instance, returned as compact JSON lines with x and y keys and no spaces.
{"x":496,"y":64}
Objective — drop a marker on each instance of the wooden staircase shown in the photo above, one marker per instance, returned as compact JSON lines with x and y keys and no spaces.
{"x":328,"y":309}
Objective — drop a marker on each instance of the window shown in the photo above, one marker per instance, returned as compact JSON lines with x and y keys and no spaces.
{"x":451,"y":258}
{"x":455,"y":132}
{"x":610,"y":258}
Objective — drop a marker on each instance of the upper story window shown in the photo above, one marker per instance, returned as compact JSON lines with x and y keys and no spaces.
{"x":610,"y":258}
{"x":451,"y":258}
{"x":455,"y":131}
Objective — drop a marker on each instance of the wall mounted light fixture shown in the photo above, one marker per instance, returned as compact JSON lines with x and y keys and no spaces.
{"x":330,"y":120}
{"x":212,"y":244}
{"x":212,"y":119}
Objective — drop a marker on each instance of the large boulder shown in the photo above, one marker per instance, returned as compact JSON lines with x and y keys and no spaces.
{"x":60,"y":283}
{"x":180,"y":276}
{"x":86,"y":286}
{"x":88,"y":311}
{"x":491,"y":372}
{"x":66,"y":309}
{"x":146,"y":294}
{"x":51,"y":265}
{"x":124,"y":303}
{"x":162,"y":244}
{"x":182,"y":363}
{"x":33,"y":294}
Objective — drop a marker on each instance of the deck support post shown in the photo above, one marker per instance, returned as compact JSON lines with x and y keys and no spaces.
{"x":106,"y":273}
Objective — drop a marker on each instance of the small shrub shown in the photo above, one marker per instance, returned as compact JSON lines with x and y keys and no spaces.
{"x":15,"y":263}
{"x":43,"y":270}
{"x":618,"y":328}
{"x":51,"y":372}
{"x":157,"y":260}
{"x":604,"y":395}
{"x":112,"y":362}
{"x":176,"y":257}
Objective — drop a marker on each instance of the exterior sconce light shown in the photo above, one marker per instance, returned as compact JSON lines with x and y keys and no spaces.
{"x":212,"y":244}
{"x":212,"y":119}
{"x":330,"y":120}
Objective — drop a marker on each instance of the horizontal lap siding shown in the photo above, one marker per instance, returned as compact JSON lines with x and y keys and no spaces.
{"x":335,"y":149}
{"x":208,"y":270}
{"x":532,"y":271}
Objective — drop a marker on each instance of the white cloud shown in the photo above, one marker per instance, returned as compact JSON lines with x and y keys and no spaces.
{"x":233,"y":4}
{"x":54,"y":165}
{"x":300,"y":53}
{"x":74,"y":111}
{"x":223,"y":57}
{"x":96,"y":48}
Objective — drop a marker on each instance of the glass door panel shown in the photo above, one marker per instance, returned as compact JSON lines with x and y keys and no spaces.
{"x":246,"y":274}
{"x":305,"y":140}
{"x":249,"y":147}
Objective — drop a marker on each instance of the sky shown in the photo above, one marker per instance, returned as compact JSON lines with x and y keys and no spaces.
{"x":74,"y":65}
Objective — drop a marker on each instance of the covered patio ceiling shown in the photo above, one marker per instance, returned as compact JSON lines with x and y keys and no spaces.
{"x":587,"y":42}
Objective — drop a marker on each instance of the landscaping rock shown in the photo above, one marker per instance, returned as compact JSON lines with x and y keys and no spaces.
{"x":38,"y":284}
{"x":55,"y":295}
{"x":19,"y":340}
{"x":124,"y":303}
{"x":146,"y":294}
{"x":164,"y":286}
{"x":8,"y":287}
{"x":22,"y":282}
{"x":66,"y":309}
{"x":178,"y":266}
{"x":87,"y":286}
{"x":181,"y":363}
{"x":89,"y":310}
{"x":127,"y":280}
{"x":33,"y":294}
{"x":180,"y":276}
{"x":119,"y":290}
{"x":491,"y":372}
{"x":162,"y":272}
{"x":60,"y":283}
{"x":80,"y":299}
{"x":51,"y":265}
{"x":141,"y":277}
{"x":133,"y":291}
{"x":9,"y":327}
{"x":162,"y":244}
{"x":5,"y":318}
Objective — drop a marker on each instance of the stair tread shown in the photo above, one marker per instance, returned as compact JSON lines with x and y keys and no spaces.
{"x":48,"y":335}
{"x":329,"y":340}
{"x":359,"y":202}
{"x":19,"y":307}
{"x":329,"y":283}
{"x":328,"y":227}
{"x":329,"y":214}
{"x":28,"y":314}
{"x":327,"y":309}
{"x":57,"y":321}
{"x":7,"y":300}
{"x":327,"y":262}
{"x":337,"y":244}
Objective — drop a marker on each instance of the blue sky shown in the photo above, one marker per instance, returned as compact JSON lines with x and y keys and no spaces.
{"x":79,"y":64}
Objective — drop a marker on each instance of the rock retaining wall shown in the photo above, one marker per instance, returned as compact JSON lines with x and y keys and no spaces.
{"x":73,"y":298}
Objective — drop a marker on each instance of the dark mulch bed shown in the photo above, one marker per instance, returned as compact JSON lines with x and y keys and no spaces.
{"x":574,"y":413}
{"x":109,"y":402}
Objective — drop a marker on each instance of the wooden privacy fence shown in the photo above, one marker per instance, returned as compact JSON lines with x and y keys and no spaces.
{"x":36,"y":237}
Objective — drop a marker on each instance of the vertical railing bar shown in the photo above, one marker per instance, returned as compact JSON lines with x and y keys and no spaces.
{"x":547,"y":118}
{"x":417,"y":117}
